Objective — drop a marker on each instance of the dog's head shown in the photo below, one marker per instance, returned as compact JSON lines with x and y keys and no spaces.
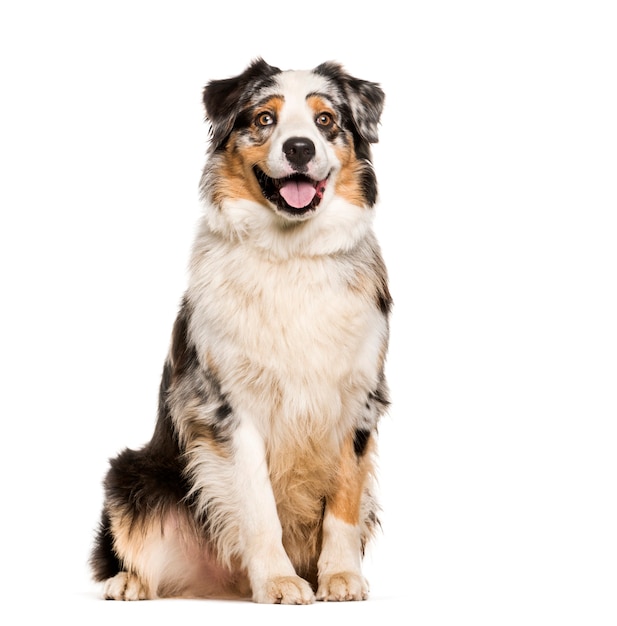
{"x":292,"y":141}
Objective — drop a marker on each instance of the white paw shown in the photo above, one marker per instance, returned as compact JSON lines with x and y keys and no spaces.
{"x":125,"y":586}
{"x":284,"y":590}
{"x":341,"y":587}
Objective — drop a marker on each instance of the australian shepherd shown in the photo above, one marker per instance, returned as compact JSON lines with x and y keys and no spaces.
{"x":257,"y":481}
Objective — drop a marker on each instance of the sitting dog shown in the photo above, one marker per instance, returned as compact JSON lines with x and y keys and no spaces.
{"x":257,"y":481}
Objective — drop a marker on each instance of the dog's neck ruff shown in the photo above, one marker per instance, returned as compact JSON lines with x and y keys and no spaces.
{"x":337,"y":228}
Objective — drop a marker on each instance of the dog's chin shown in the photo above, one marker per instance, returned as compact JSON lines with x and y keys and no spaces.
{"x":295,"y":197}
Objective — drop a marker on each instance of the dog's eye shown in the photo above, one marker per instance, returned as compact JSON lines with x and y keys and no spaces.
{"x":324,"y":119}
{"x":265,"y":119}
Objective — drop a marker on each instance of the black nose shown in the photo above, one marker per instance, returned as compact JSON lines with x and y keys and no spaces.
{"x":299,"y":150}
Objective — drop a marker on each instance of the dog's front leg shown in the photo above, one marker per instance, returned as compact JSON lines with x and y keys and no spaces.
{"x":272,"y":576}
{"x":340,"y":574}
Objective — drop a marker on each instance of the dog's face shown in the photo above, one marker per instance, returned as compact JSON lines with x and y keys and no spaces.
{"x":292,"y":141}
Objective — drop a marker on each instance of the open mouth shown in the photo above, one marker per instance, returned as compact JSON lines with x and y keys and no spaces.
{"x":296,"y":194}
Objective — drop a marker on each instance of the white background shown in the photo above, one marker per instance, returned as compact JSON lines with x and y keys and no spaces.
{"x":497,"y":166}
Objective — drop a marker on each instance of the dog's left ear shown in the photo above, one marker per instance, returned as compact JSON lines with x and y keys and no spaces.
{"x":365,"y":99}
{"x":224,"y":98}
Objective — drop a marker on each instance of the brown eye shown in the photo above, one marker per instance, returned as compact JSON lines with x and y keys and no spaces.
{"x":324,"y":119}
{"x":265,"y":119}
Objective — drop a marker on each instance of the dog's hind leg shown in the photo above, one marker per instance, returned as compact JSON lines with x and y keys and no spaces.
{"x":119,"y":585}
{"x":142,"y":551}
{"x":166,"y":558}
{"x":133,"y":548}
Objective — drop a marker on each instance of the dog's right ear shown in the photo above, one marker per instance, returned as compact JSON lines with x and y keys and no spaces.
{"x":225,"y":98}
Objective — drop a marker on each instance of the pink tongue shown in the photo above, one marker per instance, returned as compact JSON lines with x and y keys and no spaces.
{"x":297,"y":194}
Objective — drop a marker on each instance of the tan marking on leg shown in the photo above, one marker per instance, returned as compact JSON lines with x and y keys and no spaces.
{"x":351,"y":479}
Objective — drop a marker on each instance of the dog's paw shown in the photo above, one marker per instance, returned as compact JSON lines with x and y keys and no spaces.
{"x":342,"y":587}
{"x":284,"y":590}
{"x":125,"y":586}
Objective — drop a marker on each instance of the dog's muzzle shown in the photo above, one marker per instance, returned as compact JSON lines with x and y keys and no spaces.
{"x":298,"y":193}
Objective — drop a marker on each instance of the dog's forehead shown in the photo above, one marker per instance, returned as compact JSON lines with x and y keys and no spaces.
{"x":295,"y":86}
{"x":302,"y":82}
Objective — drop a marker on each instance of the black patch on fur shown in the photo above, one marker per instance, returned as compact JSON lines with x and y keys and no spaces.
{"x":183,"y":354}
{"x":373,"y":519}
{"x":224,"y":411}
{"x":384,"y":299}
{"x":380,"y":395}
{"x":225,"y":99}
{"x":368,"y":182}
{"x":360,"y":441}
{"x":146,"y":480}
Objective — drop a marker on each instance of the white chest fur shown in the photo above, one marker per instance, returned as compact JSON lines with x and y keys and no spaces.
{"x":291,"y":341}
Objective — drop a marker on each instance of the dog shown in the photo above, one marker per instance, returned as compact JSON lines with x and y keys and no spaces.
{"x":258,"y":480}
